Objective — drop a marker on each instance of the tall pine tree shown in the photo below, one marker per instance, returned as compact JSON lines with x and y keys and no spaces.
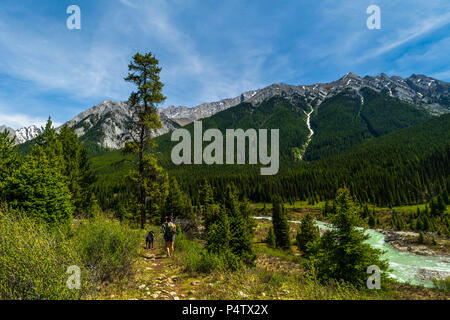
{"x":144,"y":73}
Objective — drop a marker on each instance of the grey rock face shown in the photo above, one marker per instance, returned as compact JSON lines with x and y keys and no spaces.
{"x":428,"y":93}
{"x":204,"y":110}
{"x":106,"y":122}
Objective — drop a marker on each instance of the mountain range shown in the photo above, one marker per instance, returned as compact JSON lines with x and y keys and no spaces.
{"x":24,"y":134}
{"x":103,"y":124}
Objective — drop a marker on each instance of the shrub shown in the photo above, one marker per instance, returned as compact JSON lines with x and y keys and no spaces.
{"x":195,"y":258}
{"x":107,"y":248}
{"x":34,"y":260}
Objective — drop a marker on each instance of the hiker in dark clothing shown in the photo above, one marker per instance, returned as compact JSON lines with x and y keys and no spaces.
{"x":169,"y":230}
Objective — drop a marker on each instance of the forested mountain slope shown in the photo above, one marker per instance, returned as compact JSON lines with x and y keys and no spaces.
{"x":404,"y":166}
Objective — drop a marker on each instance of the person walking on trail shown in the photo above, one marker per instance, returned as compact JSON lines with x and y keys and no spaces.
{"x":169,"y":229}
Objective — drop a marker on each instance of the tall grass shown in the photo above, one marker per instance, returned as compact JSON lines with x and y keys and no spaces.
{"x":34,"y":260}
{"x":442,"y":284}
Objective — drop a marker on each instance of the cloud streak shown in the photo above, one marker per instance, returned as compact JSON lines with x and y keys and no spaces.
{"x":17,"y":120}
{"x":406,"y":36}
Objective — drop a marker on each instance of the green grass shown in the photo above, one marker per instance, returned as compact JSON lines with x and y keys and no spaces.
{"x":296,"y":205}
{"x":262,"y":248}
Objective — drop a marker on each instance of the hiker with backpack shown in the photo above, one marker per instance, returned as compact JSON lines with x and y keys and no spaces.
{"x":169,"y":229}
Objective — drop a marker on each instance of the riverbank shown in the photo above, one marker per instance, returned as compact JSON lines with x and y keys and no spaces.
{"x":404,"y":266}
{"x":403,"y":240}
{"x":406,"y":241}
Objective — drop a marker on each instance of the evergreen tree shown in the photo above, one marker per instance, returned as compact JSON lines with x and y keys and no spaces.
{"x":440,"y":204}
{"x":154,"y":181}
{"x":206,"y":193}
{"x":49,"y":146}
{"x":270,"y":240}
{"x":280,"y":224}
{"x":39,"y":189}
{"x":66,"y":153}
{"x":342,"y":253}
{"x":144,"y":73}
{"x":307,"y":235}
{"x":38,"y":186}
{"x":208,"y":209}
{"x":445,"y":197}
{"x":241,"y":231}
{"x":177,"y":203}
{"x":434,"y":242}
{"x":77,"y":170}
{"x":365,"y":212}
{"x":218,"y":233}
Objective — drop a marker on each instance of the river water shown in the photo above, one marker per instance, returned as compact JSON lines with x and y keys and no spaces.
{"x":405,"y":266}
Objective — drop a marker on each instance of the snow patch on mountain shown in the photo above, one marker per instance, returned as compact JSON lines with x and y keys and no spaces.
{"x":23,"y":134}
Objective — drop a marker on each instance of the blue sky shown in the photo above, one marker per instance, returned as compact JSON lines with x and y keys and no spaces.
{"x":208,"y":49}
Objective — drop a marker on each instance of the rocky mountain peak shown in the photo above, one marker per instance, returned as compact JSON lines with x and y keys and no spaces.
{"x":23,"y":134}
{"x":107,"y":121}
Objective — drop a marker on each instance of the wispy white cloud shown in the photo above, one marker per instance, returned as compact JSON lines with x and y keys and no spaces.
{"x":404,"y":36}
{"x":128,"y":3}
{"x":59,"y":60}
{"x":17,"y":120}
{"x":214,"y":78}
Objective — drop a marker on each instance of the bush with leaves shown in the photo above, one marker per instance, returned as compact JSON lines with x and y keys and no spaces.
{"x":34,"y":260}
{"x":107,"y":248}
{"x":195,"y":258}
